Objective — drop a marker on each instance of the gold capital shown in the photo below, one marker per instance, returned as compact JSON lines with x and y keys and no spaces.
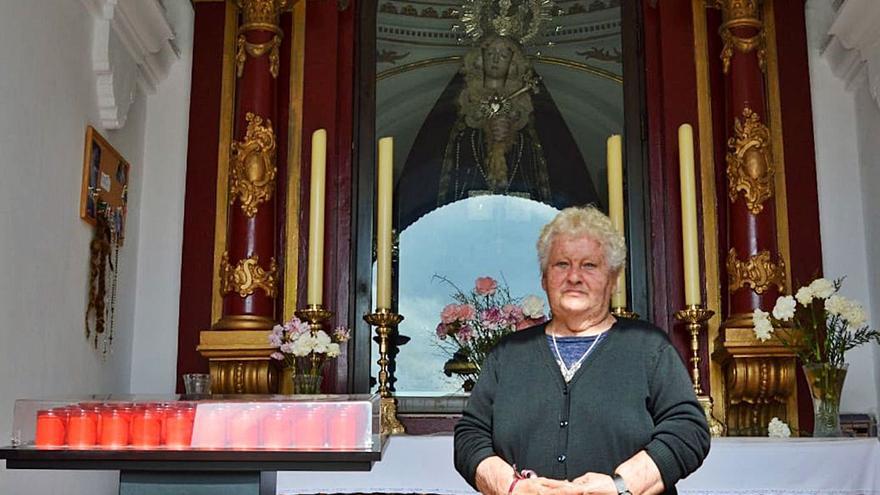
{"x":262,"y":14}
{"x":739,"y":15}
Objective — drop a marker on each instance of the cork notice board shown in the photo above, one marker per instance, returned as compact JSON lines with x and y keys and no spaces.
{"x":104,"y":183}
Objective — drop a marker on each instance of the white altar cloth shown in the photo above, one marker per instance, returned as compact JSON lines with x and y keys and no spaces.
{"x":735,"y":466}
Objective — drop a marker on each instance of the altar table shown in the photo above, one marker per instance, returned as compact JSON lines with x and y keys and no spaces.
{"x":735,"y":466}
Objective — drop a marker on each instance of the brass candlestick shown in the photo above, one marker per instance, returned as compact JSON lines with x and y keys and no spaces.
{"x":695,"y":316}
{"x":316,"y":315}
{"x":384,"y":320}
{"x":622,"y":312}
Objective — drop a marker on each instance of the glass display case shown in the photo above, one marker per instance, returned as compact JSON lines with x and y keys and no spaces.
{"x":175,"y":423}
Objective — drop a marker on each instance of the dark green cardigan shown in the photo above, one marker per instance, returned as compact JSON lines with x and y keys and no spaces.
{"x":632,"y":393}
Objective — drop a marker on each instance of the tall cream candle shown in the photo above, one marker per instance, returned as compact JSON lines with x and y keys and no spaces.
{"x":689,"y":215}
{"x":317,"y":196}
{"x":383,"y":223}
{"x":614,"y":159}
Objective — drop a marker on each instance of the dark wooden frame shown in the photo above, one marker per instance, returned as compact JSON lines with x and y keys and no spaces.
{"x":363,"y":185}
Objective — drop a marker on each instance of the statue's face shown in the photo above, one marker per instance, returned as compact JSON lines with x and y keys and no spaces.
{"x":496,"y":59}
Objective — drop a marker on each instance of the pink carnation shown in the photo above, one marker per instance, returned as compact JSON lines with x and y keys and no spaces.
{"x":492,"y":318}
{"x":449,"y":314}
{"x":485,"y":286}
{"x":296,"y":327}
{"x":466,"y":312}
{"x":457,"y":312}
{"x":465,"y":333}
{"x":342,"y":334}
{"x":512,"y":313}
{"x":441,"y":331}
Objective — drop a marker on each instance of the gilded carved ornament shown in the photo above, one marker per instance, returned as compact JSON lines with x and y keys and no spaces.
{"x":255,"y":50}
{"x":247,"y":276}
{"x":244,"y":376}
{"x":758,"y":389}
{"x":749,"y":163}
{"x":758,"y":272}
{"x":252,"y":177}
{"x":262,"y":14}
{"x":739,"y":16}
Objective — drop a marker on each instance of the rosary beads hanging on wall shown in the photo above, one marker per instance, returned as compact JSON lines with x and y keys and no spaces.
{"x":103,"y":269}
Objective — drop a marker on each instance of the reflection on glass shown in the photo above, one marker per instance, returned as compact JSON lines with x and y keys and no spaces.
{"x":480,"y":236}
{"x":494,"y":132}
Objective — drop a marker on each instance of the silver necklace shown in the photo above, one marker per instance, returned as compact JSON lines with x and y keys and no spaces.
{"x":568,"y":373}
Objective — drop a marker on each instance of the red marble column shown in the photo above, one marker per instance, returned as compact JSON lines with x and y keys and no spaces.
{"x":756,"y":272}
{"x":249,"y":270}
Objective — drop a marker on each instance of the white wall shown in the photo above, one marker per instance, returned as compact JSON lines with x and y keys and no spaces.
{"x":846,"y":130}
{"x":868,"y":119}
{"x":154,"y":364}
{"x":47,"y":97}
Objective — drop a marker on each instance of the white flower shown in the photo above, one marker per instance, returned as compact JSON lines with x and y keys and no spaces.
{"x":533,"y":307}
{"x":822,"y":288}
{"x":322,"y":340}
{"x":855,"y":315}
{"x":763,"y":327}
{"x":778,"y":429}
{"x":804,"y":295}
{"x":303,"y":345}
{"x":836,"y":305}
{"x":333,"y":350}
{"x":784,"y":309}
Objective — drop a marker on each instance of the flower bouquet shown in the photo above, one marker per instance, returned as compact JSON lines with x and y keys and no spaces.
{"x":304,"y":352}
{"x":824,"y":325}
{"x":471,"y":326}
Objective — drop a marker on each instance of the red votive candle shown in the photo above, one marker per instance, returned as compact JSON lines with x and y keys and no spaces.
{"x":82,"y":429}
{"x":244,"y":428}
{"x":114,"y":428}
{"x":178,"y":428}
{"x":343,"y":427}
{"x":50,"y":429}
{"x":146,"y":428}
{"x":310,"y":427}
{"x":276,"y":431}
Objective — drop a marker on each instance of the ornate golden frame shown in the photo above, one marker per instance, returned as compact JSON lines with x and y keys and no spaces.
{"x":224,"y":150}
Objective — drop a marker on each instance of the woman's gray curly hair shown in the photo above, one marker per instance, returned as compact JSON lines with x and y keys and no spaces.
{"x":583,"y":221}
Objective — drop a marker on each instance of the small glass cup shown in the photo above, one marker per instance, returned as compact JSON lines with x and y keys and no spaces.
{"x":197,"y":383}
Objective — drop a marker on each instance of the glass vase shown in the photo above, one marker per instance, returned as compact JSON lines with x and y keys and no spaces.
{"x":826,"y":385}
{"x":307,"y":384}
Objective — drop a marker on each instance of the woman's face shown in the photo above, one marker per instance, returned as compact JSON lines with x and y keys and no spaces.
{"x":578,"y":280}
{"x":496,"y":59}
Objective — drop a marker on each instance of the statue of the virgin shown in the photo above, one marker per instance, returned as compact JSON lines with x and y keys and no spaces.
{"x":495,"y":129}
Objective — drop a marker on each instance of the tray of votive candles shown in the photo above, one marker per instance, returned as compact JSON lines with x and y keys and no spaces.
{"x":259,"y":423}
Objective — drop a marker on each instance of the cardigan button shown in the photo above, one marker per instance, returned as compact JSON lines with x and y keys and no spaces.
{"x":561,"y":458}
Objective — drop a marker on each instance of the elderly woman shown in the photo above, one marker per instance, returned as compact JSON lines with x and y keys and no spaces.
{"x":585,"y":403}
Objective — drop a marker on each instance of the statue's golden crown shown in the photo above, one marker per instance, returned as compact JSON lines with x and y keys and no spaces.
{"x":520,"y":20}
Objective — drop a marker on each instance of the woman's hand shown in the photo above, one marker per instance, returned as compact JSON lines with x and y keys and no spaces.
{"x":541,"y":486}
{"x":595,"y":484}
